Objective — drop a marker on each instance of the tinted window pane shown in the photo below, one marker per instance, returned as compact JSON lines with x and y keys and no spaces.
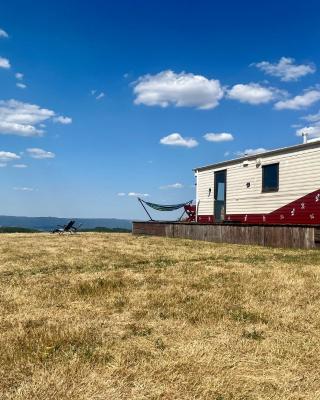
{"x":220,"y":191}
{"x":270,"y":177}
{"x":219,"y":185}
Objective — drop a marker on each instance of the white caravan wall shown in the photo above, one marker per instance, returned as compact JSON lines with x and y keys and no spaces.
{"x":205,"y":180}
{"x":299,"y":174}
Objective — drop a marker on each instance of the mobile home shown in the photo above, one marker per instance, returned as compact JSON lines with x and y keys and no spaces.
{"x":275,"y":187}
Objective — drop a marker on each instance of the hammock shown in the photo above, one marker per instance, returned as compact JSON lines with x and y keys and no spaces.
{"x":162,"y":207}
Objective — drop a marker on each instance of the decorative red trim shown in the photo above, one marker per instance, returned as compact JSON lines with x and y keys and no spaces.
{"x":303,"y":211}
{"x":205,"y":219}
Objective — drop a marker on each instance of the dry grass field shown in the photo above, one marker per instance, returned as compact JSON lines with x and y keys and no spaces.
{"x":111,"y":316}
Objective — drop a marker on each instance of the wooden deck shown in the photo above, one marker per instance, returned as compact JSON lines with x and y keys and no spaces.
{"x":288,"y":236}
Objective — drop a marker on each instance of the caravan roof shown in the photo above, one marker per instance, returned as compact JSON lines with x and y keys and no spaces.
{"x":303,"y":146}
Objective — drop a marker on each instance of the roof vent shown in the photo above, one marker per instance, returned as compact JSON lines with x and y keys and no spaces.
{"x":305,"y":137}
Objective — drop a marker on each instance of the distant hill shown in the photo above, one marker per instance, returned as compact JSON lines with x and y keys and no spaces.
{"x":48,"y":223}
{"x":14,"y":229}
{"x":101,"y":229}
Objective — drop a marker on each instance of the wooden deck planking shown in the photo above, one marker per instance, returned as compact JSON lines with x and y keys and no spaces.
{"x":287,"y":236}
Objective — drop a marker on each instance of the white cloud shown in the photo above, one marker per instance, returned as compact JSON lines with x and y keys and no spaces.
{"x":4,"y":63}
{"x":19,"y":76}
{"x":172,"y":186}
{"x":3,"y":33}
{"x":299,"y":102}
{"x":312,"y":117}
{"x":20,"y":166}
{"x":134,"y":194}
{"x":253,"y":93}
{"x":8,"y":156}
{"x":181,"y":90}
{"x":97,"y":96}
{"x":250,"y":152}
{"x":100,"y":96}
{"x":3,"y":165}
{"x":23,"y":119}
{"x":314,"y":139}
{"x":62,"y":120}
{"x":285,"y":69}
{"x":218,"y":137}
{"x":175,"y":139}
{"x":24,"y":189}
{"x":40,"y":154}
{"x":311,"y":131}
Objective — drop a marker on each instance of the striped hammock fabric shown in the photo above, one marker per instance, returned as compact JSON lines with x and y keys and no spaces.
{"x":160,"y":207}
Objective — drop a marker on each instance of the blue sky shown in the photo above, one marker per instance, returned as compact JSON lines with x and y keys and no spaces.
{"x":102,"y":100}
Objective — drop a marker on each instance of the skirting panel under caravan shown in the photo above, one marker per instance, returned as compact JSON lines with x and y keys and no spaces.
{"x":289,"y":236}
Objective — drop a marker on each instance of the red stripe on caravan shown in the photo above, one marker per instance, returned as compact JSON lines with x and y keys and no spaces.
{"x":303,"y":211}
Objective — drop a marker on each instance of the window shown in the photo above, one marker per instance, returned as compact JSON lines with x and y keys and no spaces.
{"x":219,"y":185}
{"x":270,"y":178}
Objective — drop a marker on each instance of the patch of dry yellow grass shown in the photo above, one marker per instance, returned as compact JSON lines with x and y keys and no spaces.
{"x":112,"y":316}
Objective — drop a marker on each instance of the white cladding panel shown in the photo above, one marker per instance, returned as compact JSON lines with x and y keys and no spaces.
{"x":299,"y":174}
{"x":205,"y":180}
